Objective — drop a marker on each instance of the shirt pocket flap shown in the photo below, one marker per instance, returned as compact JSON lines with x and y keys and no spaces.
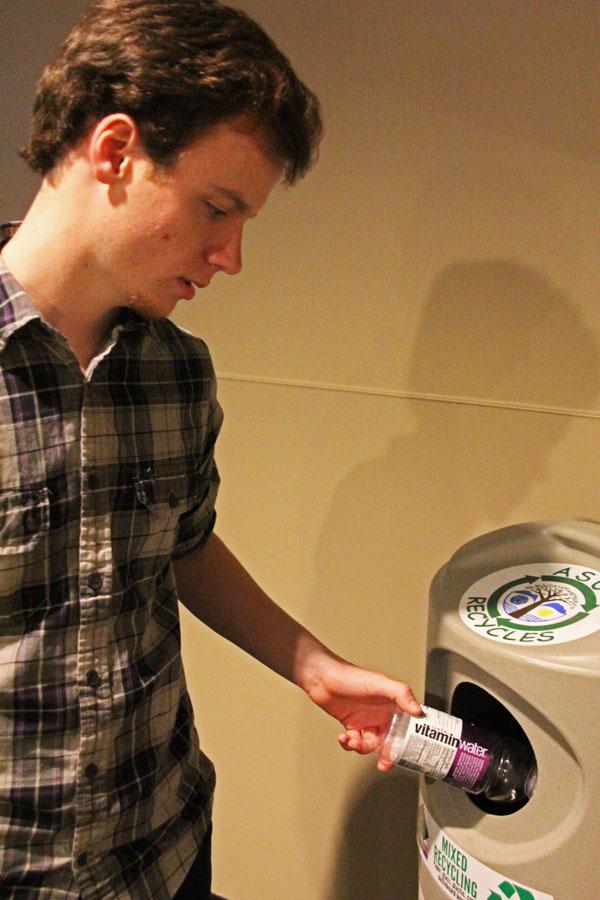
{"x":24,"y":519}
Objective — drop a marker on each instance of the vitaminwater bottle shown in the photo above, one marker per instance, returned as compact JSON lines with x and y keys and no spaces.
{"x":449,"y":749}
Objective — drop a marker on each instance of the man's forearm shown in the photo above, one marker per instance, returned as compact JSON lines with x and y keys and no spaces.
{"x":218,"y":590}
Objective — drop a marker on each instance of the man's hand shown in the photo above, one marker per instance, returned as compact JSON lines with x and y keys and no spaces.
{"x":363,"y":701}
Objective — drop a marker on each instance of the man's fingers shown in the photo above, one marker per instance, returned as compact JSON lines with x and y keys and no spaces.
{"x":359,"y":741}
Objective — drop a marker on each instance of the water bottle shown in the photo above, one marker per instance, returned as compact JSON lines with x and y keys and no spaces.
{"x":449,"y":749}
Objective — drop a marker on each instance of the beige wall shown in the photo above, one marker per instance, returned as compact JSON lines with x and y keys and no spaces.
{"x":410,"y":358}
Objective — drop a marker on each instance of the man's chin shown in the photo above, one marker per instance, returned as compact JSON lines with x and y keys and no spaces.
{"x":149,"y":307}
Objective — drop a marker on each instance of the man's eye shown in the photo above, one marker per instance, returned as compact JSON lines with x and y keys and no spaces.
{"x":215,"y":212}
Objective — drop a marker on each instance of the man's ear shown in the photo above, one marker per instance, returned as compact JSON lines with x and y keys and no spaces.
{"x":112,"y":146}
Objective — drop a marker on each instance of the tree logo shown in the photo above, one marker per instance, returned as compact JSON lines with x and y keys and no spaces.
{"x":507,"y":889}
{"x":534,"y":605}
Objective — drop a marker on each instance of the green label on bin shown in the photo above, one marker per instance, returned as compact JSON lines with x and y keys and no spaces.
{"x":508,"y":889}
{"x":459,"y":874}
{"x":534,"y":604}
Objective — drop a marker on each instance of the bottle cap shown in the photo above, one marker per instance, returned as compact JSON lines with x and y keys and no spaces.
{"x":531,"y":783}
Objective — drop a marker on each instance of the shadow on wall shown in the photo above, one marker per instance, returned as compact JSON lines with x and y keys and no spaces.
{"x":491,"y":330}
{"x":32,"y":32}
{"x":377,"y":864}
{"x":496,"y":329}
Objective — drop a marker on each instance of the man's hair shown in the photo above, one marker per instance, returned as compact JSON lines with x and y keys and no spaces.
{"x":177,"y":67}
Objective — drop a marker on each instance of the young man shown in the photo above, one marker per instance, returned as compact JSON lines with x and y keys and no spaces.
{"x":159,"y":129}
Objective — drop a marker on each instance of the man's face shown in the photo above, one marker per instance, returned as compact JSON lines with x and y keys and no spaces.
{"x":173,"y":228}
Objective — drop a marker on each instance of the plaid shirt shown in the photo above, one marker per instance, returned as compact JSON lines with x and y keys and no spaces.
{"x":105,"y":479}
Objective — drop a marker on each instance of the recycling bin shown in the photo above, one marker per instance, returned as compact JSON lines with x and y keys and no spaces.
{"x":514,"y":646}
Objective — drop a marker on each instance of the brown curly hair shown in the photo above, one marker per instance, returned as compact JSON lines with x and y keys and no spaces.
{"x":177,"y":67}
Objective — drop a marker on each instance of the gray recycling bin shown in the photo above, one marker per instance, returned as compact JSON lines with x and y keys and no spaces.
{"x":514,"y":646}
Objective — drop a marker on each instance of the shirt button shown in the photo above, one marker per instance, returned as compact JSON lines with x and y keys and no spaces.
{"x":93,"y":679}
{"x":82,"y":859}
{"x":93,"y":481}
{"x":91,"y":771}
{"x":95,"y":581}
{"x":173,"y":501}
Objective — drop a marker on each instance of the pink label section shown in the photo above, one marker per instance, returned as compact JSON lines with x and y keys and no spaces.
{"x":472,"y":758}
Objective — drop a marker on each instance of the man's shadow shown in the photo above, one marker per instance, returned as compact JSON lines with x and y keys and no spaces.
{"x":495,"y":332}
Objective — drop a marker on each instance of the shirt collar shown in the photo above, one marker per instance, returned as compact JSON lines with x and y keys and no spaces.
{"x":16,"y":308}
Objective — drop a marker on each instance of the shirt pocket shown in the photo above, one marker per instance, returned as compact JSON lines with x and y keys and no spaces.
{"x":24,"y":524}
{"x":161,"y":496}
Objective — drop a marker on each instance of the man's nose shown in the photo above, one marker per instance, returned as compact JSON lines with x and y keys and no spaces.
{"x":227,"y":255}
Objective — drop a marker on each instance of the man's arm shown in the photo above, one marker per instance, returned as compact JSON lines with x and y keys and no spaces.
{"x":217,"y":589}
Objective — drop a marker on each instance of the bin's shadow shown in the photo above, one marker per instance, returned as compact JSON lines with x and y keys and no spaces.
{"x":378,"y":851}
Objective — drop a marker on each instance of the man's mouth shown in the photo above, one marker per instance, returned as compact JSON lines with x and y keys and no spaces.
{"x":195,"y":284}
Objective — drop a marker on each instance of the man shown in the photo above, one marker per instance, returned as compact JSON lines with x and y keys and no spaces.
{"x":160,"y":128}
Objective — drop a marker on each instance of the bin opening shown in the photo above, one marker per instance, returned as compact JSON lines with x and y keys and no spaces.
{"x":474,"y":704}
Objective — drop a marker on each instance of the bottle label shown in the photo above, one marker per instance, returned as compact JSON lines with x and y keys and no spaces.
{"x":447,"y":749}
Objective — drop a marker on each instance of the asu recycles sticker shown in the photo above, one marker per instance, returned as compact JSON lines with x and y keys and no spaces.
{"x":536,"y":604}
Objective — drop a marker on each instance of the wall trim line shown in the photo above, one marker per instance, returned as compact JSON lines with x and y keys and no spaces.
{"x":408,"y":395}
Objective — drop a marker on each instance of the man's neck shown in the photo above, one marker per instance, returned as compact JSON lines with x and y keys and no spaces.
{"x":54,"y":265}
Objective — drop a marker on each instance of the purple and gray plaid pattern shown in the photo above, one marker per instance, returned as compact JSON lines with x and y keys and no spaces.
{"x":105,"y":478}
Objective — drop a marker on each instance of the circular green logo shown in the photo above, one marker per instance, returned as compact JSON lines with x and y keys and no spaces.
{"x":539,"y":603}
